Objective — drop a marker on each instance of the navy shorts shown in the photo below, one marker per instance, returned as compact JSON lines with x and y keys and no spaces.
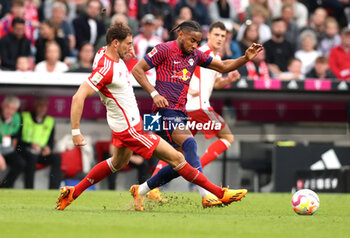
{"x":170,"y":120}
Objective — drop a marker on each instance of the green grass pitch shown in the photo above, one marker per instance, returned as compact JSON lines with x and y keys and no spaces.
{"x":30,"y":213}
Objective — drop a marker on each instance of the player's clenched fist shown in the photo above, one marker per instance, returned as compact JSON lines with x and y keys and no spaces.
{"x":78,"y":140}
{"x":160,"y":101}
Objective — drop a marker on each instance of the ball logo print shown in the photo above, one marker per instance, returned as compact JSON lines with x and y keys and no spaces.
{"x":152,"y":122}
{"x":305,"y":202}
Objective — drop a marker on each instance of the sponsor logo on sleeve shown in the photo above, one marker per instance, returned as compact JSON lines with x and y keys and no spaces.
{"x":153,"y":52}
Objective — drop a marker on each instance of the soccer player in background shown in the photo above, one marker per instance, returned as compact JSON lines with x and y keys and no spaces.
{"x":199,"y":110}
{"x":110,"y":78}
{"x":175,"y":62}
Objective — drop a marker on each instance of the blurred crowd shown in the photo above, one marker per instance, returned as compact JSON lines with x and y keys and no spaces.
{"x":302,"y":39}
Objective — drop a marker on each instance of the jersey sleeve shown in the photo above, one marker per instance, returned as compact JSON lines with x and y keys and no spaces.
{"x":204,"y":59}
{"x":101,"y":76}
{"x":158,"y":54}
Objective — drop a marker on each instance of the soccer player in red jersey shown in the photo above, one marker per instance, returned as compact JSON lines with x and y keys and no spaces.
{"x":175,"y":63}
{"x":110,"y":78}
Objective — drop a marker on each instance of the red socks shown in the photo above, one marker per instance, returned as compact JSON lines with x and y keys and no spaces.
{"x":194,"y":176}
{"x":159,"y":166}
{"x":99,"y":172}
{"x":213,"y":151}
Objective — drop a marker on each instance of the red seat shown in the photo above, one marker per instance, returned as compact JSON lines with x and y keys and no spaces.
{"x":103,"y":147}
{"x":71,"y":163}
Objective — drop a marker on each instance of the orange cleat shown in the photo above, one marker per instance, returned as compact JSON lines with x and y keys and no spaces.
{"x":156,"y":195}
{"x":231,"y":195}
{"x":65,"y":198}
{"x":210,"y":200}
{"x":138,"y":199}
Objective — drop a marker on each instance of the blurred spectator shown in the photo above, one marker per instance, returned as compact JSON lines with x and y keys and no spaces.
{"x":31,"y":10}
{"x":146,"y":38}
{"x":160,"y":31}
{"x":88,"y":27}
{"x":278,"y":49}
{"x":200,"y":11}
{"x":317,"y":23}
{"x":10,"y":122}
{"x":71,"y":9}
{"x":307,"y":54}
{"x":161,"y":7}
{"x":300,"y":11}
{"x":231,"y":49}
{"x":292,"y":32}
{"x":321,"y":69}
{"x":64,"y":28}
{"x":120,"y":7}
{"x":48,"y":32}
{"x":256,"y":69}
{"x":259,"y":16}
{"x":23,"y":64}
{"x":5,"y":6}
{"x":52,"y":63}
{"x":261,"y":4}
{"x":36,"y":143}
{"x":222,"y":10}
{"x":339,"y":57}
{"x":293,"y":71}
{"x":85,"y":58}
{"x":136,"y":162}
{"x":18,"y":11}
{"x":13,"y":45}
{"x":250,"y":36}
{"x":186,"y":13}
{"x":116,"y":18}
{"x":332,"y":37}
{"x":336,"y":7}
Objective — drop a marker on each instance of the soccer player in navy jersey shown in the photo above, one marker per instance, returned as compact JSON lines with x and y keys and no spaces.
{"x":175,"y":62}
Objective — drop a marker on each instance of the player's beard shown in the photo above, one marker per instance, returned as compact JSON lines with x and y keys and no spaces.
{"x":183,"y":49}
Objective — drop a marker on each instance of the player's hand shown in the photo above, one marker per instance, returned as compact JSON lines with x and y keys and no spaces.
{"x":193,"y":93}
{"x":233,"y":76}
{"x":78,"y":140}
{"x":160,"y":101}
{"x":2,"y":163}
{"x":253,"y":51}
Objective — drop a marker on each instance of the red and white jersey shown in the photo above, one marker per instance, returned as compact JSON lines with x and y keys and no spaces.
{"x":203,"y":81}
{"x":111,"y":80}
{"x":141,"y":44}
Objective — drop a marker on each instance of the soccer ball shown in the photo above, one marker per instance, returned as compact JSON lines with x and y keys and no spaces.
{"x":305,"y":202}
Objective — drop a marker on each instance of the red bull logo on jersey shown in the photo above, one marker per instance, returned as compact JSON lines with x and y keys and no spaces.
{"x":184,"y":75}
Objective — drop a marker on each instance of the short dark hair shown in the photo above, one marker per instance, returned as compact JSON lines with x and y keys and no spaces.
{"x":217,"y":24}
{"x":188,"y":26}
{"x":17,"y":20}
{"x":277,"y":19}
{"x":118,"y":31}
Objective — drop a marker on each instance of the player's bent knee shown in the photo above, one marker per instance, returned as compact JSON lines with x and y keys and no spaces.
{"x":176,"y":159}
{"x":119,"y":162}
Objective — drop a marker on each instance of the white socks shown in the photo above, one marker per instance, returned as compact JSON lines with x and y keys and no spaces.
{"x":143,"y":189}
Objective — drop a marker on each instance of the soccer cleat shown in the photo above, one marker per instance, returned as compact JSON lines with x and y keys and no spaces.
{"x":156,"y":195}
{"x":65,"y":198}
{"x":210,"y":200}
{"x":138,"y":199}
{"x":231,"y":195}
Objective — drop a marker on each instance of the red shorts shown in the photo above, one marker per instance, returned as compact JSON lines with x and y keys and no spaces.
{"x":136,"y":140}
{"x":217,"y":123}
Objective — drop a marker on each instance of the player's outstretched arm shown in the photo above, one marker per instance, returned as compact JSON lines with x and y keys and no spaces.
{"x":77,"y":107}
{"x":226,"y":66}
{"x":139,"y":73}
{"x":223,"y":82}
